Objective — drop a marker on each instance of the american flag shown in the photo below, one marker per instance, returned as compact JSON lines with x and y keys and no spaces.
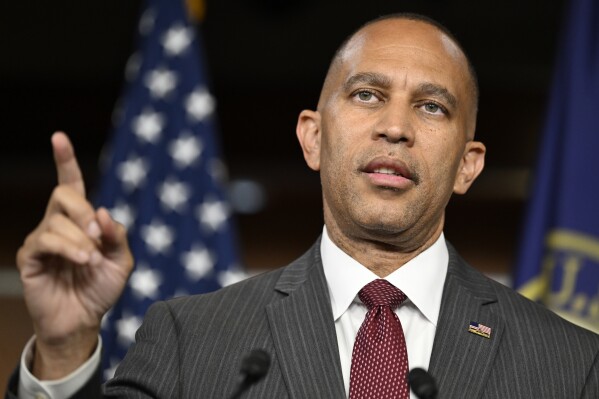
{"x":163,"y":177}
{"x":479,"y":329}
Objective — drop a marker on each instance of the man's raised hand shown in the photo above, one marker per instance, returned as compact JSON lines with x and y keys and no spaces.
{"x":73,"y":266}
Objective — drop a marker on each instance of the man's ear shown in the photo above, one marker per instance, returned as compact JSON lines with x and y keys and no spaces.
{"x":308,"y":132}
{"x":472,"y":163}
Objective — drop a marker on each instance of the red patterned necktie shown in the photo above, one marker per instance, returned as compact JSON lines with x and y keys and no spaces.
{"x":379,"y":367}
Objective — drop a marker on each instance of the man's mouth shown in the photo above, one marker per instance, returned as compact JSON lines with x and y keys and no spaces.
{"x":389,"y":173}
{"x":386,"y":166}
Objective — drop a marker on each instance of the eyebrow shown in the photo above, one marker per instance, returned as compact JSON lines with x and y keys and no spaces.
{"x":368,"y":78}
{"x":431,"y":89}
{"x":384,"y":82}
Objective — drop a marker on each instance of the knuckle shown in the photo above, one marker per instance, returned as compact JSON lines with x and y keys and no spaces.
{"x":84,"y":211}
{"x":28,"y":240}
{"x":84,"y":243}
{"x":60,"y":191}
{"x":57,"y":199}
{"x":73,"y":204}
{"x":31,"y":243}
{"x":21,"y":257}
{"x":44,"y":240}
{"x":55,"y":221}
{"x":48,"y":243}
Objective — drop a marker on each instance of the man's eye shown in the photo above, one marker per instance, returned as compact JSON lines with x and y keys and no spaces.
{"x":433,"y":108}
{"x":366,"y":96}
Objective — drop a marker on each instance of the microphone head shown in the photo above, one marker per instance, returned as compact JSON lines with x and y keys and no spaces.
{"x":422,"y":383}
{"x":255,"y":365}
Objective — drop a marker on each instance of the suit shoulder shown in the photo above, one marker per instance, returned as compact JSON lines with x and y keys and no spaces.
{"x":251,"y":287}
{"x":538,"y":319}
{"x":522,"y":315}
{"x":261,"y":288}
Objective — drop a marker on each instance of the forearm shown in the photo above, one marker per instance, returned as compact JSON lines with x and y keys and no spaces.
{"x":85,"y":375}
{"x":53,"y":361}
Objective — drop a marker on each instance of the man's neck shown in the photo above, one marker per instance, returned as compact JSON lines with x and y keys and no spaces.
{"x":382,"y":257}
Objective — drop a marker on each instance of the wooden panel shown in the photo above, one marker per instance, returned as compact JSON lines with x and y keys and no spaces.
{"x":15,"y":330}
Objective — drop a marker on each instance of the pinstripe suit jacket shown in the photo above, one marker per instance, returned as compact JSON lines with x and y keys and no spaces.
{"x":192,"y":347}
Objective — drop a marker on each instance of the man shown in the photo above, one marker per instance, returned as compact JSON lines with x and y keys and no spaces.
{"x":392,"y":138}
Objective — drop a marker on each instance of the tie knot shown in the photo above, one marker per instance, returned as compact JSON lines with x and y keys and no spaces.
{"x":381,"y":293}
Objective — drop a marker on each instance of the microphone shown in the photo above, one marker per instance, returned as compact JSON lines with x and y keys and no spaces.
{"x":422,"y":383}
{"x":253,"y":368}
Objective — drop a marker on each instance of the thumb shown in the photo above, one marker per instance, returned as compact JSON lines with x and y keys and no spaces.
{"x":114,"y":238}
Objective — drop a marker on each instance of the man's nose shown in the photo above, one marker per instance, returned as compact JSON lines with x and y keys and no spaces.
{"x":395,"y":124}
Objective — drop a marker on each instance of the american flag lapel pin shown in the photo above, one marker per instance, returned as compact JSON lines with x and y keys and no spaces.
{"x":479,"y":329}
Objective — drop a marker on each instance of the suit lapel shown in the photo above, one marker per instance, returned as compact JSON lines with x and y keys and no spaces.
{"x":303,"y":331}
{"x":306,"y":342}
{"x":460,"y":360}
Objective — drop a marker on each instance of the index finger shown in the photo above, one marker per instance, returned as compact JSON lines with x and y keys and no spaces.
{"x":67,"y":167}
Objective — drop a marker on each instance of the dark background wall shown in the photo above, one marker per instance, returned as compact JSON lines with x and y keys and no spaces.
{"x":62,"y":64}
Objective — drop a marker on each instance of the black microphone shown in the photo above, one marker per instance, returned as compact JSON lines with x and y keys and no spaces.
{"x":253,"y":367}
{"x":422,"y":384}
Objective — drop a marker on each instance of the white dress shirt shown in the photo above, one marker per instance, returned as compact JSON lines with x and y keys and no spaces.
{"x":421,"y":279}
{"x":32,"y":388}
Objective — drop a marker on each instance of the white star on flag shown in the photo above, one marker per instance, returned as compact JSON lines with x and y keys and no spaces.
{"x":126,"y":328}
{"x":122,"y":213}
{"x":146,"y":22}
{"x":145,"y":282}
{"x":231,"y":276}
{"x":105,"y":318}
{"x":185,"y":150}
{"x":199,"y":104}
{"x":174,"y":195}
{"x":132,"y":66}
{"x":160,"y":169}
{"x":212,"y":214}
{"x":109,"y":372}
{"x":148,"y":126}
{"x":132,"y":172}
{"x":160,"y":82}
{"x":198,"y":262}
{"x":158,"y":237}
{"x":180,"y":292}
{"x":177,"y":39}
{"x":218,"y":170}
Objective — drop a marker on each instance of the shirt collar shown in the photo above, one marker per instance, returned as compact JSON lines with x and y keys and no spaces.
{"x":421,"y":279}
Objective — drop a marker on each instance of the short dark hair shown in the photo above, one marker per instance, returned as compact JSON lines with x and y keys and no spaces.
{"x":421,"y":18}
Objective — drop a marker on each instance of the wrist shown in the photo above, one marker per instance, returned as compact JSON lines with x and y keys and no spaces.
{"x":55,"y":360}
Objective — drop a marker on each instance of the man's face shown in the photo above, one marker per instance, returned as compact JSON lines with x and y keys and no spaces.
{"x":392,"y":135}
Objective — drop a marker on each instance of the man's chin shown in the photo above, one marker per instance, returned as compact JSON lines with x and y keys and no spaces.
{"x":384,"y":226}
